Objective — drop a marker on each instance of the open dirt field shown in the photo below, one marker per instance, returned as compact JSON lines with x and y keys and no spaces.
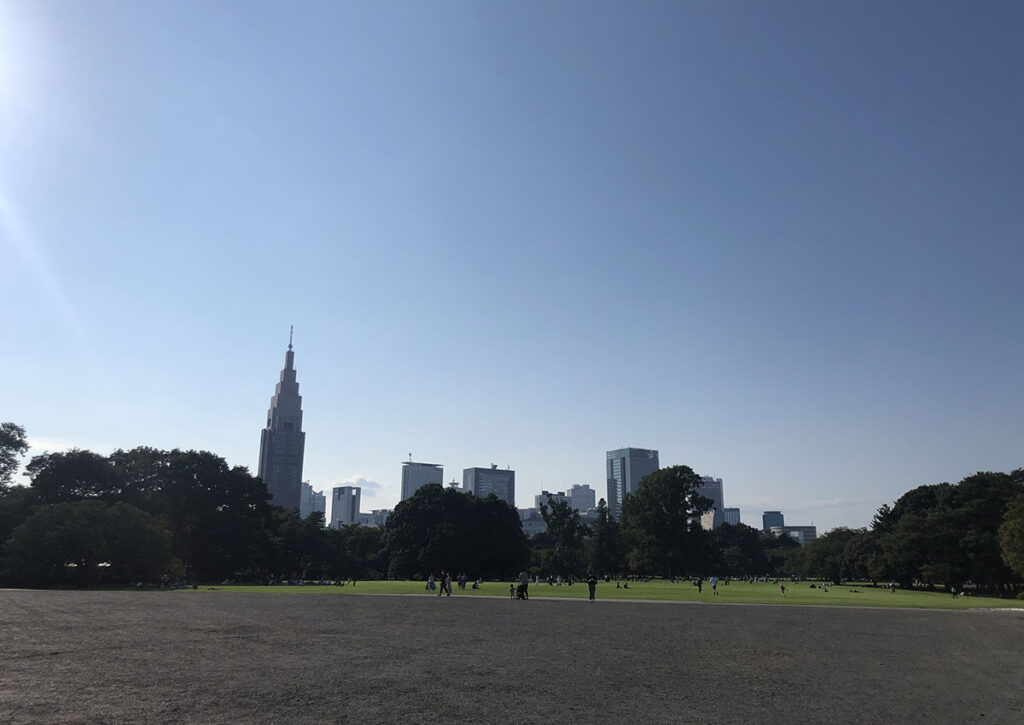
{"x":208,"y":657}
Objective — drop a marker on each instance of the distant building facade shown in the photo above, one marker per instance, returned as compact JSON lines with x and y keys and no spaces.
{"x":282,"y":442}
{"x":532,"y":522}
{"x":377,"y":517}
{"x":557,"y":497}
{"x":731,"y":516}
{"x":345,"y":506}
{"x":311,"y":501}
{"x":802,"y":534}
{"x":770,"y":519}
{"x":416,"y":475}
{"x":582,"y":497}
{"x":482,"y":482}
{"x":712,"y":488}
{"x":626,"y":466}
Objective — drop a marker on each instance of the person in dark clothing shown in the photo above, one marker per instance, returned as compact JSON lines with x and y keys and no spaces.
{"x":524,"y":584}
{"x":592,"y":584}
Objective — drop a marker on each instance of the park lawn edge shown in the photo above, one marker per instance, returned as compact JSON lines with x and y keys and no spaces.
{"x":797,"y":594}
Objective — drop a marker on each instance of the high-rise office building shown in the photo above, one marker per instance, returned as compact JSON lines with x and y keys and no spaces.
{"x":543,"y":496}
{"x":712,"y":488}
{"x":311,"y":501}
{"x":732,"y":516}
{"x":282,"y":442}
{"x":626,"y":466}
{"x":803,"y":535}
{"x":582,"y":497}
{"x":482,"y":482}
{"x":416,"y":475}
{"x":377,"y":517}
{"x":770,"y":519}
{"x":345,"y":506}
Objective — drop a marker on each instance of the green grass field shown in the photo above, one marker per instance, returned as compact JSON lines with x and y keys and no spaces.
{"x":853,"y":595}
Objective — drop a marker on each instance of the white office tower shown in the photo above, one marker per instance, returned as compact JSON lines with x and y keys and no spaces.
{"x":345,"y":506}
{"x":310,"y":501}
{"x":712,"y":488}
{"x":416,"y":475}
{"x":582,"y":497}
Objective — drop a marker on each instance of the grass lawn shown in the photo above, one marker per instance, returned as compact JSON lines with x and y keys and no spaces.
{"x":854,"y":595}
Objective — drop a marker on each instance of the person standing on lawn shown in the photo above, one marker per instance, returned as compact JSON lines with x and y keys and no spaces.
{"x":592,"y":584}
{"x":524,"y":583}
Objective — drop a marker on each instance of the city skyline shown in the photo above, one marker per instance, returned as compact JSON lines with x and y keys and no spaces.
{"x":779,"y":244}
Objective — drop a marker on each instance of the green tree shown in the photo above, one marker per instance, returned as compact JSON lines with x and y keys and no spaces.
{"x":357,"y":552}
{"x":1011,"y":536}
{"x":858,"y":561}
{"x":443,"y":529}
{"x":948,"y":534}
{"x":782,"y":553}
{"x":824,"y":557}
{"x":661,"y":523}
{"x":607,"y":555}
{"x":86,"y":543}
{"x":74,"y":475}
{"x":16,"y":505}
{"x":566,"y":534}
{"x":302,"y":544}
{"x":742,"y":553}
{"x":219,"y":516}
{"x":13,"y":445}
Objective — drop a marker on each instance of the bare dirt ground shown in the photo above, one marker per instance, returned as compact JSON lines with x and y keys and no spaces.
{"x":208,"y":657}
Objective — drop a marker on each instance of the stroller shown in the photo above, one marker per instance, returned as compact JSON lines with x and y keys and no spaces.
{"x":521,"y":592}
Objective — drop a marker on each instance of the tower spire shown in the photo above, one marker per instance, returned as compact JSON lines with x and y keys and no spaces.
{"x":291,"y":330}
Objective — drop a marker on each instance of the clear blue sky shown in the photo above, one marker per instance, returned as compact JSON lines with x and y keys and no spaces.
{"x":782,"y":243}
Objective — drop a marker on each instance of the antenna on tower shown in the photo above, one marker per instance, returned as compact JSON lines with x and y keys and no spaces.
{"x":410,"y":458}
{"x":291,"y":330}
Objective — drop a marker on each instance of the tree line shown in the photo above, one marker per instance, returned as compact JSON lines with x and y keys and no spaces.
{"x":142,"y":514}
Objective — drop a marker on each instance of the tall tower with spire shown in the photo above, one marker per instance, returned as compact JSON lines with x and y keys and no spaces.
{"x":282,"y":442}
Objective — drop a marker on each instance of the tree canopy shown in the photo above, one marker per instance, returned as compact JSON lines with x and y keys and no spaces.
{"x":443,"y":529}
{"x":88,"y":519}
{"x":86,"y":543}
{"x":661,"y":523}
{"x":566,"y":535}
{"x":13,"y":445}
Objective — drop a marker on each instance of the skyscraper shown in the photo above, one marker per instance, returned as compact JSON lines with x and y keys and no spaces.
{"x":626,"y":466}
{"x":732,"y":516}
{"x":282,"y":442}
{"x":345,"y":506}
{"x":712,"y":488}
{"x":482,"y":482}
{"x":543,"y":497}
{"x":415,"y":475}
{"x":310,"y":501}
{"x":583,"y":497}
{"x":770,"y":519}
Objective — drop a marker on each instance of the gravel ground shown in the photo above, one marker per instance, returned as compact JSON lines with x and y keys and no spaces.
{"x":209,"y":657}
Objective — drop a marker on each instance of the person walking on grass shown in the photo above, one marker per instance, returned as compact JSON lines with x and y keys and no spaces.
{"x":524,"y":584}
{"x":714,"y":585}
{"x":592,"y":584}
{"x":783,"y":588}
